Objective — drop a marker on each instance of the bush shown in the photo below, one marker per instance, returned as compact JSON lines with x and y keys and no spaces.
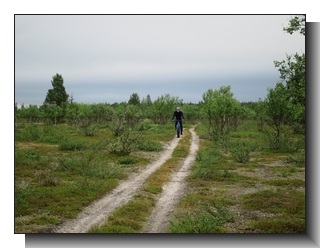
{"x":240,"y":151}
{"x":86,"y":128}
{"x":207,"y":221}
{"x":128,"y":160}
{"x":297,"y":158}
{"x":122,"y":146}
{"x":72,"y":145}
{"x":28,"y":133}
{"x":47,"y":178}
{"x":207,"y":165}
{"x":150,"y":146}
{"x":85,"y":165}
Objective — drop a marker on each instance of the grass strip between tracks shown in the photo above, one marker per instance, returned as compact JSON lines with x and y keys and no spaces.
{"x":131,"y":217}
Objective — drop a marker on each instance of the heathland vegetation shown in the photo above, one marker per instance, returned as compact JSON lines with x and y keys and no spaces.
{"x":248,"y":177}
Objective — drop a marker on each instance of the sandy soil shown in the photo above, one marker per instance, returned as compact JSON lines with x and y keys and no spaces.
{"x":172,"y":191}
{"x":101,"y":209}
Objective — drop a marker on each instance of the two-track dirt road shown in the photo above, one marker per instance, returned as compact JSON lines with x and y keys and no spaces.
{"x":172,"y":191}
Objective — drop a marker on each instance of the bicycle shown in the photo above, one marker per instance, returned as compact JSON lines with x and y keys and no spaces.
{"x":178,"y":128}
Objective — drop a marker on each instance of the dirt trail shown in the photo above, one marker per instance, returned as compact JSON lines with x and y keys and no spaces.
{"x":172,"y":192}
{"x":101,"y":209}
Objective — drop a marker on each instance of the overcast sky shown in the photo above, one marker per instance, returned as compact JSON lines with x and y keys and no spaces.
{"x":106,"y":58}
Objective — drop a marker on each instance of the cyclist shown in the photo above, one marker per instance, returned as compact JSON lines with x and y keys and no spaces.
{"x":178,"y":117}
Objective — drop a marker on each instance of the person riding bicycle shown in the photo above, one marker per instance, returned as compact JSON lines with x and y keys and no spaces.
{"x":178,"y":117}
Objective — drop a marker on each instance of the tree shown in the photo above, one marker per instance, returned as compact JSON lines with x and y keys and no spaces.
{"x":56,"y":100}
{"x":146,"y":107}
{"x":147,"y":100}
{"x":296,"y":24}
{"x":292,"y":72}
{"x":277,"y":111}
{"x":222,"y":112}
{"x":128,"y":126}
{"x":260,"y":113}
{"x":52,"y":112}
{"x":134,"y":99}
{"x":164,"y":106}
{"x":57,"y":95}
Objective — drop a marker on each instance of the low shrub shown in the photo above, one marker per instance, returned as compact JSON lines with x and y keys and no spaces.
{"x":150,"y":146}
{"x":208,"y":221}
{"x":72,"y":145}
{"x":207,"y":165}
{"x":128,"y":160}
{"x":240,"y":151}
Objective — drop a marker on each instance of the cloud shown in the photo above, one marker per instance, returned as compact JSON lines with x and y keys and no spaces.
{"x":139,"y":52}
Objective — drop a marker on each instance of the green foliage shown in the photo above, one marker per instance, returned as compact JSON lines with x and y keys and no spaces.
{"x":147,"y":101}
{"x":277,"y":111}
{"x":28,"y":160}
{"x":88,"y":129}
{"x":294,"y":183}
{"x":22,"y":196}
{"x":134,"y":99}
{"x":207,"y":221}
{"x":286,"y":141}
{"x":29,"y":133}
{"x":207,"y":165}
{"x":153,"y":189}
{"x":56,"y":100}
{"x":260,"y":113}
{"x":53,"y":134}
{"x":124,"y":144}
{"x":128,"y":160}
{"x":222,"y":113}
{"x":280,"y":226}
{"x":296,"y":24}
{"x":240,"y":151}
{"x":149,"y":145}
{"x":47,"y":178}
{"x":57,"y":95}
{"x":72,"y":145}
{"x":163,"y":108}
{"x":126,"y":117}
{"x":86,"y":166}
{"x":298,"y":157}
{"x":53,"y":113}
{"x":129,"y":218}
{"x":128,"y":131}
{"x":292,"y":72}
{"x":276,"y":201}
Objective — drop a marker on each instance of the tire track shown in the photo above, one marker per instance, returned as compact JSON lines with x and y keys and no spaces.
{"x":172,"y":191}
{"x":101,"y":209}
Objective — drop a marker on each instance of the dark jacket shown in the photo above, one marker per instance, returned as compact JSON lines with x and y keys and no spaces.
{"x":178,"y":115}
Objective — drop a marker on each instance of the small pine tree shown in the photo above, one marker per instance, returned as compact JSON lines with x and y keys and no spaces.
{"x":134,"y":99}
{"x":57,"y":95}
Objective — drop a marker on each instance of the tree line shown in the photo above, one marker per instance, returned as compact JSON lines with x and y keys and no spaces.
{"x":283,"y":107}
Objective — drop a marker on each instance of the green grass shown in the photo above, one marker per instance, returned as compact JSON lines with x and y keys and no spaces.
{"x":293,"y":183}
{"x":128,"y":218}
{"x":131,"y":217}
{"x":54,"y":181}
{"x":208,"y":220}
{"x":274,"y":179}
{"x":279,"y":226}
{"x":59,"y":171}
{"x":276,"y":201}
{"x":150,"y":146}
